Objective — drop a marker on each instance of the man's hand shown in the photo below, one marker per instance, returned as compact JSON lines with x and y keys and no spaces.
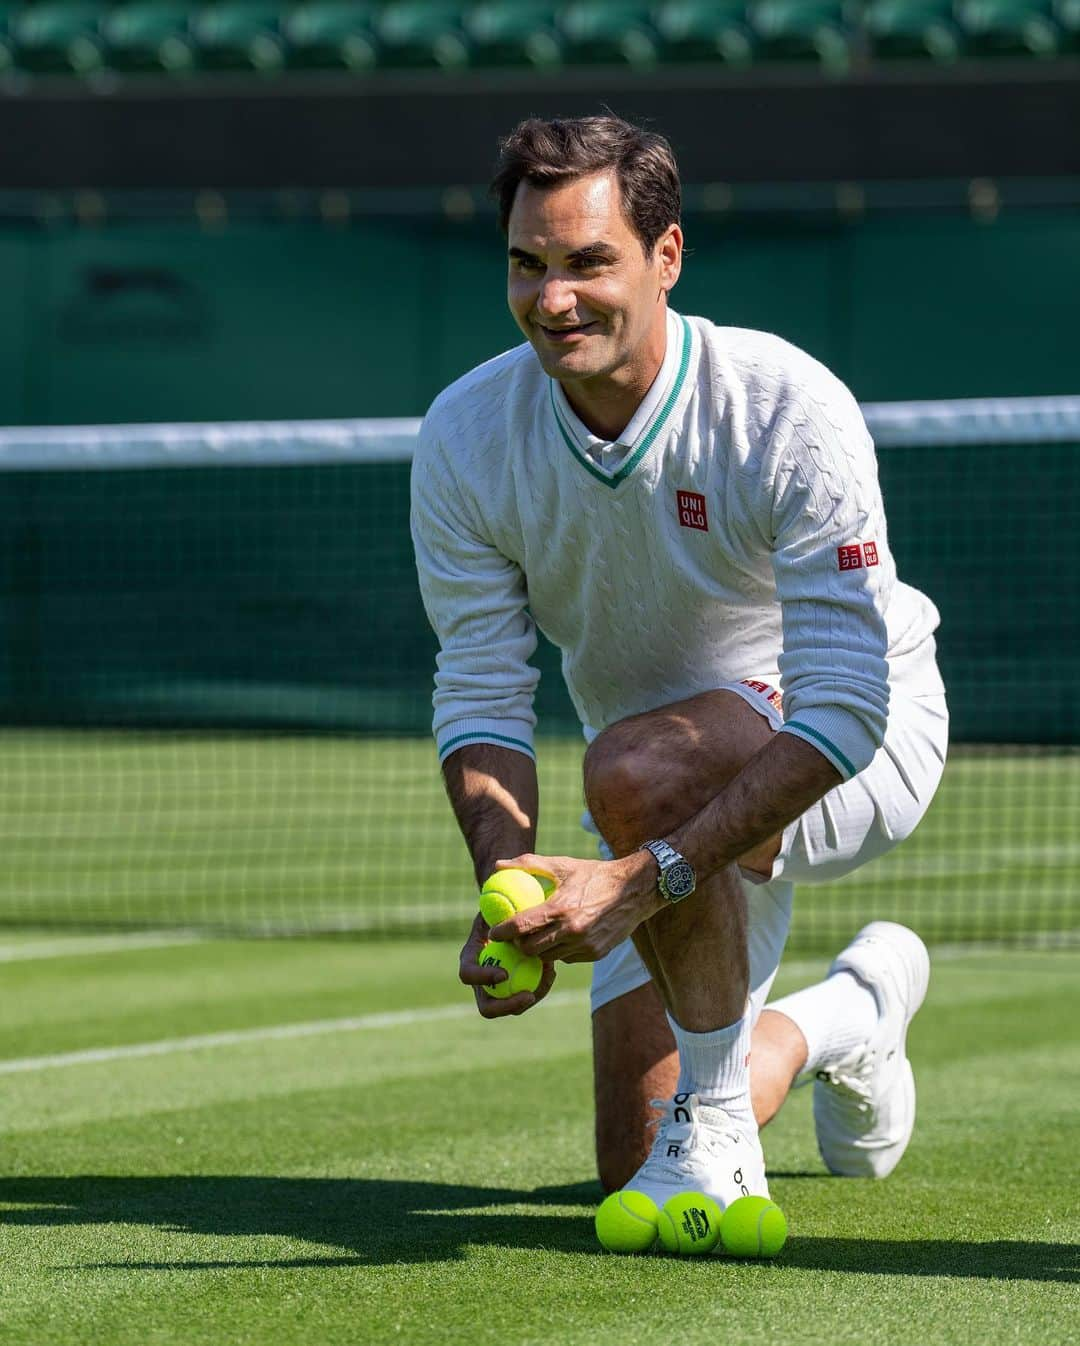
{"x":472,"y":974}
{"x":596,"y":905}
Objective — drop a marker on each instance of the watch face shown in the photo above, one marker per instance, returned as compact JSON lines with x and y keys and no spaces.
{"x":679,"y":879}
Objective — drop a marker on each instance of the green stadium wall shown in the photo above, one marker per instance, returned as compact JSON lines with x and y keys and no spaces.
{"x":285,"y":319}
{"x":286,"y":598}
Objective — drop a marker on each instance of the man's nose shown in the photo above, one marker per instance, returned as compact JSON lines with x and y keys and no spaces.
{"x":556,"y":296}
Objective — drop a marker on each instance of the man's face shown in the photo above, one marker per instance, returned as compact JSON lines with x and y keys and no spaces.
{"x":579,"y":285}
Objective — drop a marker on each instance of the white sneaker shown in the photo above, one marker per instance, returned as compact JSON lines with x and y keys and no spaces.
{"x":864,"y":1107}
{"x":699,"y":1148}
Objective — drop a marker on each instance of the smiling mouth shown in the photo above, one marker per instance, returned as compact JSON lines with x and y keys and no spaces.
{"x":563,"y":333}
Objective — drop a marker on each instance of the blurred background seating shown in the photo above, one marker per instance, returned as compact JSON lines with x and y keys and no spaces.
{"x":85,"y":37}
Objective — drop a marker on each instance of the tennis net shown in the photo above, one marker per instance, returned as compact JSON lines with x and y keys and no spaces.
{"x":215,"y":687}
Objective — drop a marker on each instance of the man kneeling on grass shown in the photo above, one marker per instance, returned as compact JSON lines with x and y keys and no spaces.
{"x":691,"y":513}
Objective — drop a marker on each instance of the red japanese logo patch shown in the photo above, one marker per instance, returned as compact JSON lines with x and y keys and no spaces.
{"x":763,"y":689}
{"x":692,"y":510}
{"x":856,"y":555}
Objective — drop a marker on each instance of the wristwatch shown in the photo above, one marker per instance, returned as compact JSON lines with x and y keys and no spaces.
{"x":676,"y":879}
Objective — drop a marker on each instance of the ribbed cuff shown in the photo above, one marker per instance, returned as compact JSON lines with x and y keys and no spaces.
{"x":516,"y":734}
{"x":842,"y":736}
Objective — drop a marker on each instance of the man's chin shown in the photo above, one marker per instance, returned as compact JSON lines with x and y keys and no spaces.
{"x":572,"y":363}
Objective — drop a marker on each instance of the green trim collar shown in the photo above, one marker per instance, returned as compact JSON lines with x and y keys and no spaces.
{"x":648,"y":439}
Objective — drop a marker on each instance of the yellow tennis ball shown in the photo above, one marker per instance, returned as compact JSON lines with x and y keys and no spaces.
{"x":753,"y":1226}
{"x":524,"y":970}
{"x":690,"y":1224}
{"x":626,"y":1222}
{"x":507,"y":892}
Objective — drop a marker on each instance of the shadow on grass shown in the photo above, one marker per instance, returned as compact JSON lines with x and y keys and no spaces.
{"x":371,"y":1222}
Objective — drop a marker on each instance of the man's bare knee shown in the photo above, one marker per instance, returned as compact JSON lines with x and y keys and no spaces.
{"x":650,"y":772}
{"x":627,"y":794}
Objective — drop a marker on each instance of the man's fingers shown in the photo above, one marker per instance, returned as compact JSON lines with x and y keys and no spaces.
{"x":493,"y":1008}
{"x":543,"y":866}
{"x":523,"y":923}
{"x":469,"y":970}
{"x":472,"y":974}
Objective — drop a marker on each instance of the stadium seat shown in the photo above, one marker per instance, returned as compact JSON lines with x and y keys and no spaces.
{"x":7,"y":45}
{"x":238,"y":35}
{"x":906,"y":29}
{"x":1067,"y":13}
{"x":605,"y":32}
{"x":422,"y":33}
{"x":802,"y":30}
{"x":701,"y":30}
{"x":507,"y":33}
{"x":331,"y":33}
{"x":57,"y":35}
{"x":1008,"y":27}
{"x":148,"y":35}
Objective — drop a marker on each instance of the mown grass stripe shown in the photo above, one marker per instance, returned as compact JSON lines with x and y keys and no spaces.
{"x":269,"y":1033}
{"x":79,"y":946}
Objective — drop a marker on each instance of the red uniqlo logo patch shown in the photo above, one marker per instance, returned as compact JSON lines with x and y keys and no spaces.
{"x":692,"y":510}
{"x":855,"y":555}
{"x":763,"y":689}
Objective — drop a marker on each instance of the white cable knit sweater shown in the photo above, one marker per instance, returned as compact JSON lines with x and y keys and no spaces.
{"x":741,"y":536}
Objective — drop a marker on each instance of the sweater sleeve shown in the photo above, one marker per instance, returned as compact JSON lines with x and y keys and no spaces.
{"x":834,"y":575}
{"x":475,"y":599}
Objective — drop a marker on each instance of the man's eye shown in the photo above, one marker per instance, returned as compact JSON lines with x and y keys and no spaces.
{"x":525,"y":264}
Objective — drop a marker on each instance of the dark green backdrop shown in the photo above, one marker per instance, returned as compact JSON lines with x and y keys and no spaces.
{"x":282,"y":319}
{"x":287,"y":597}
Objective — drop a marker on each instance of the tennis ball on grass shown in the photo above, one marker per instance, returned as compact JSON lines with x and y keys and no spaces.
{"x":507,"y":892}
{"x":626,"y":1222}
{"x":753,"y":1226}
{"x":690,"y":1224}
{"x":525,"y":971}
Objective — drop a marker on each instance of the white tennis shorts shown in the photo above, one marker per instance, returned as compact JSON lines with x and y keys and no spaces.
{"x":854,"y":823}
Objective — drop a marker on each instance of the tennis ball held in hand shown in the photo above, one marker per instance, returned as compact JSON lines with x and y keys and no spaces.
{"x":626,"y":1222}
{"x":507,"y":892}
{"x":753,"y":1226}
{"x":524,"y":970}
{"x":690,"y":1224}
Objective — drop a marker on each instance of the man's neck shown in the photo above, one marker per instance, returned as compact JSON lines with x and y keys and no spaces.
{"x":606,"y":405}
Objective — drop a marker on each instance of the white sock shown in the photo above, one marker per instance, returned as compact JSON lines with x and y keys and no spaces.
{"x":835,"y":1017}
{"x":716,"y":1067}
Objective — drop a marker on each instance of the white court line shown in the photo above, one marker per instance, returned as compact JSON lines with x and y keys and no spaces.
{"x":286,"y":1032}
{"x":366,"y":1022}
{"x":271,"y":1033}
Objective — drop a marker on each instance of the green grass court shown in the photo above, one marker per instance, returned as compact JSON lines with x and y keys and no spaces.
{"x":416,"y":1175}
{"x":306,"y":832}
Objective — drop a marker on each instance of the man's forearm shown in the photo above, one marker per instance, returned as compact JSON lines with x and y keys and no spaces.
{"x":495,"y":797}
{"x":776,"y":786}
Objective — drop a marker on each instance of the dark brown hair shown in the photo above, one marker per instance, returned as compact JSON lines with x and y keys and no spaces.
{"x":546,"y":153}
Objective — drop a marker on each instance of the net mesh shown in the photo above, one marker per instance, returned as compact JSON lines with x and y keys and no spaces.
{"x":215,"y":683}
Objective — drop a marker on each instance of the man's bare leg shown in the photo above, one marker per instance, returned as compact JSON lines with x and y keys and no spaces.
{"x":643,"y":777}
